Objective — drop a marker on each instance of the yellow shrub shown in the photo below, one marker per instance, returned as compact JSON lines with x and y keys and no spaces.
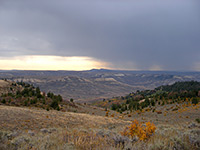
{"x":125,"y":132}
{"x":143,"y":132}
{"x":112,"y":115}
{"x":150,"y":129}
{"x":107,"y":113}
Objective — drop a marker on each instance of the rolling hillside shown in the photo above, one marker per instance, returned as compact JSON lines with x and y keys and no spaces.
{"x":83,"y":126}
{"x":97,"y":84}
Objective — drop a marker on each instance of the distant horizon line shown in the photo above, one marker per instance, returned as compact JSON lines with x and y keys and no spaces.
{"x":104,"y":69}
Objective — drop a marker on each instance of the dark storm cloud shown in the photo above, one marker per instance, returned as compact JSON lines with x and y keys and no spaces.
{"x":130,"y":34}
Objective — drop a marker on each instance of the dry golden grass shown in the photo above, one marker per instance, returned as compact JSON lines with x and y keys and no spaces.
{"x":32,"y":118}
{"x":3,"y":83}
{"x":67,"y":130}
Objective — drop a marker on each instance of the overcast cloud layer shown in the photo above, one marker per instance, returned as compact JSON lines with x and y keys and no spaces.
{"x":128,"y":34}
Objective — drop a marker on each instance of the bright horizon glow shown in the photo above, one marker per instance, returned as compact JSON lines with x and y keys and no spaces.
{"x":39,"y":62}
{"x":71,"y":63}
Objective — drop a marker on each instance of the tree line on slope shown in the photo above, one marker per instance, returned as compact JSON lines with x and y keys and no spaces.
{"x":178,"y":92}
{"x":28,"y":95}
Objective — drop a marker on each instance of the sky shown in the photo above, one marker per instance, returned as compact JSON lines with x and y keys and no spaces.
{"x":112,"y":34}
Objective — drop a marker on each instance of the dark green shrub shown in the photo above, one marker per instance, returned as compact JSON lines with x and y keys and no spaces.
{"x":44,"y":102}
{"x":197,"y":120}
{"x":71,"y":100}
{"x":33,"y":101}
{"x":153,"y":103}
{"x":175,"y":109}
{"x":3,"y":101}
{"x":54,"y":104}
{"x":25,"y":103}
{"x":195,"y":100}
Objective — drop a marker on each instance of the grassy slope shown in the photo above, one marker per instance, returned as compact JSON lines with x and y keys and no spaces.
{"x":35,"y":119}
{"x":25,"y":120}
{"x":67,"y":130}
